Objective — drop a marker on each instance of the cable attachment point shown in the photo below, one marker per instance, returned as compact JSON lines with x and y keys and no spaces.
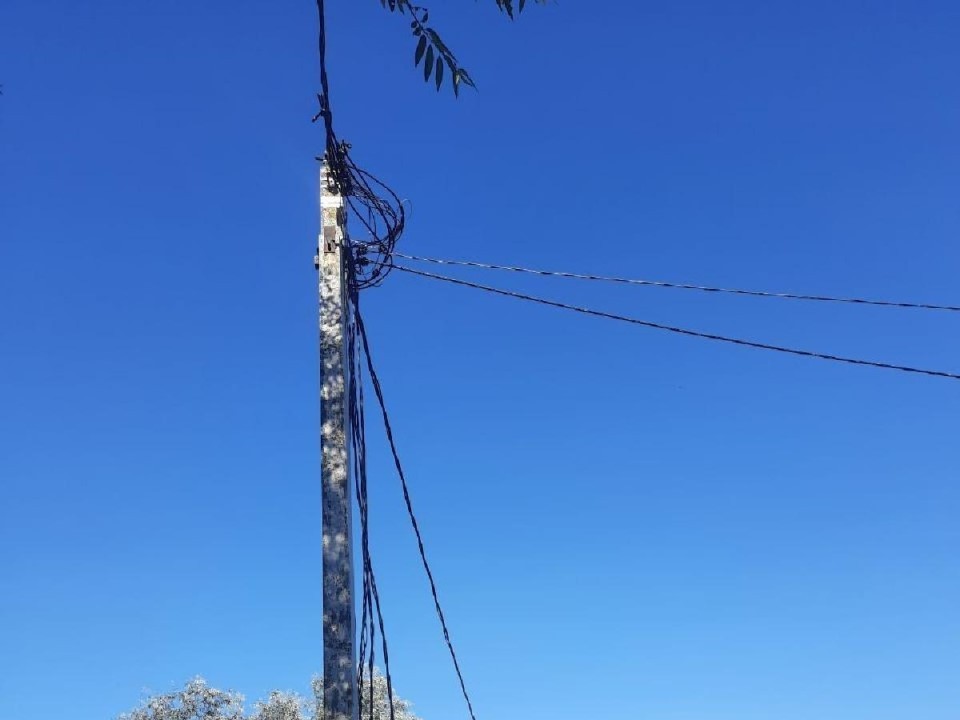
{"x":360,"y":259}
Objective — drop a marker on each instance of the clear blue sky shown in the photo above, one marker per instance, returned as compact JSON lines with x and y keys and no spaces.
{"x":623,"y":523}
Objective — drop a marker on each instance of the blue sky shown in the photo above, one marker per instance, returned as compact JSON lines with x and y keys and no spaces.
{"x":622,"y":522}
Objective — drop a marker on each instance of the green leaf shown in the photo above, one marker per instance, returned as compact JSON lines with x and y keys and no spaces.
{"x":439,"y":73}
{"x":466,"y":79}
{"x":421,"y":46}
{"x":441,"y":46}
{"x":428,"y":66}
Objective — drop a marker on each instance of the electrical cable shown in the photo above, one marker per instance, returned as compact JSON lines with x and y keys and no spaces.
{"x":377,"y":207}
{"x":371,"y":609}
{"x":378,"y":390}
{"x":678,"y":330}
{"x":681,"y":286}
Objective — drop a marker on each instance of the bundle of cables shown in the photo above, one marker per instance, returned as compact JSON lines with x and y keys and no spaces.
{"x":375,"y":206}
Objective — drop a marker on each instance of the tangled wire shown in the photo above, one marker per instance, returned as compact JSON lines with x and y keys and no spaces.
{"x":378,"y":208}
{"x":381,"y":214}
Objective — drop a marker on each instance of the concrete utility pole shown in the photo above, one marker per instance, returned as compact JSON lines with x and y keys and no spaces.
{"x":339,"y":615}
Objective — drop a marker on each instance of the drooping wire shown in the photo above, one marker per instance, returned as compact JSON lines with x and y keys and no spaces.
{"x":371,"y":613}
{"x":678,"y":330}
{"x":378,"y":390}
{"x":381,"y":213}
{"x":680,"y":286}
{"x":378,"y":208}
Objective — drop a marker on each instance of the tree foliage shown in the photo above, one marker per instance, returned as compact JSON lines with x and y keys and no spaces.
{"x":430,"y":47}
{"x":381,"y":706}
{"x":198,"y":701}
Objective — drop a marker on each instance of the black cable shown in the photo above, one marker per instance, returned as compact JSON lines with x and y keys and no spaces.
{"x":375,"y":380}
{"x":681,"y":286}
{"x":334,"y":149}
{"x":372,"y":613}
{"x":681,"y":331}
{"x":377,"y":207}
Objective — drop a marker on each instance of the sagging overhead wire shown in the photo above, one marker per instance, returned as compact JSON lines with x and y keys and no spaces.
{"x":679,"y":286}
{"x":678,"y":330}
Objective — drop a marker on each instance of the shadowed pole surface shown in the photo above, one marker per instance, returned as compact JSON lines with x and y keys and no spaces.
{"x":339,"y":653}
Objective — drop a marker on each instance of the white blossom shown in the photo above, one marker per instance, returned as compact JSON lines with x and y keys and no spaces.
{"x":199,"y":701}
{"x":401,"y":708}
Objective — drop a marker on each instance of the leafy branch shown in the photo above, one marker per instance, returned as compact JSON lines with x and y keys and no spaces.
{"x":436,"y":57}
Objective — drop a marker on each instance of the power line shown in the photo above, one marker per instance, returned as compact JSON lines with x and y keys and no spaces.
{"x":371,"y":201}
{"x":378,"y":390}
{"x":678,"y":330}
{"x":679,"y":286}
{"x":372,"y":613}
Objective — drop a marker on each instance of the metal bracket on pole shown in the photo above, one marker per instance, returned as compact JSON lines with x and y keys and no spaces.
{"x":330,"y":234}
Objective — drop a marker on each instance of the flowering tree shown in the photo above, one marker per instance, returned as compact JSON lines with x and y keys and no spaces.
{"x":381,"y":707}
{"x":198,"y":701}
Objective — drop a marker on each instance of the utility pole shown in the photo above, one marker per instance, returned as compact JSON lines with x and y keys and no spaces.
{"x":340,"y":701}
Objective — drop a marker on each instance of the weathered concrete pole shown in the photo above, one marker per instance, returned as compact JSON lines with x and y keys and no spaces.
{"x":339,"y":617}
